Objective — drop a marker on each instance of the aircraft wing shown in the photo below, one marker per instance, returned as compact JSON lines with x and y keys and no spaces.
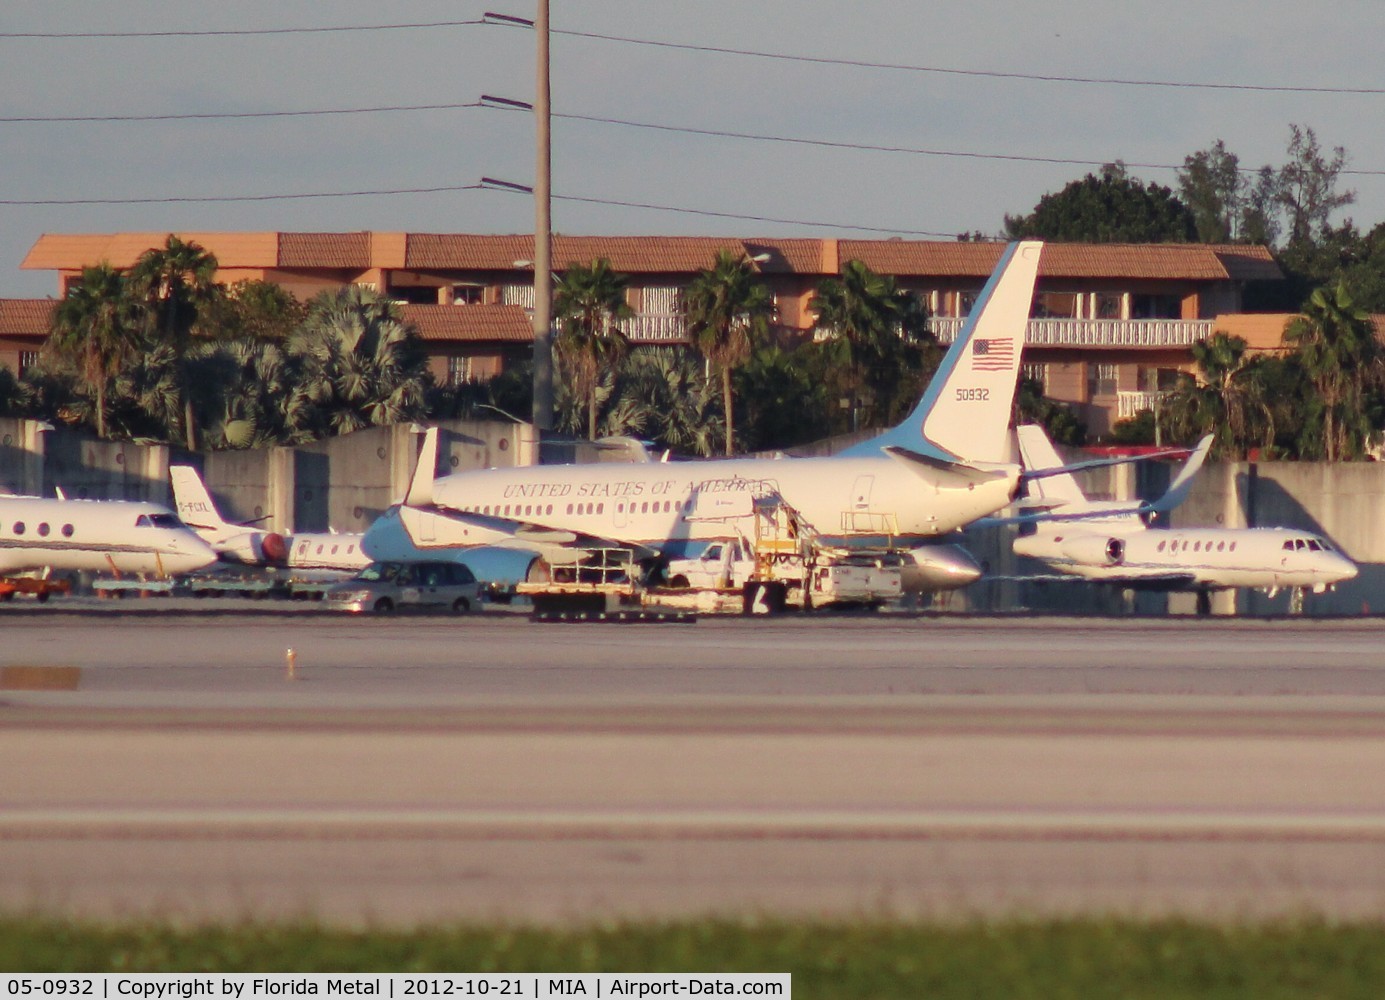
{"x":516,"y":534}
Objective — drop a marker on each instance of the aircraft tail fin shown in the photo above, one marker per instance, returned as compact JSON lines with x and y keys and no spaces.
{"x":191,"y":499}
{"x":421,"y":486}
{"x":965,"y":412}
{"x":1037,"y":452}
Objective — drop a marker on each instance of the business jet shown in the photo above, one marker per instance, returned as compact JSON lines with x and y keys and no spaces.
{"x":116,"y":536}
{"x":239,"y":543}
{"x":949,"y":463}
{"x":1111,"y":541}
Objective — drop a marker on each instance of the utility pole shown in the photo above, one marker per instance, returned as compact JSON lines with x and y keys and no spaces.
{"x":543,"y":233}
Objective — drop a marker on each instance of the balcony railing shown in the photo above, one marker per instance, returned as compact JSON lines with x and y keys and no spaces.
{"x":1097,"y":332}
{"x":1129,"y":404}
{"x":654,"y":328}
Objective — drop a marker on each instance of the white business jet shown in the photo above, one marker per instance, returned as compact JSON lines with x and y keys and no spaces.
{"x":949,"y":463}
{"x":116,"y":536}
{"x":1111,"y":542}
{"x":242,"y":544}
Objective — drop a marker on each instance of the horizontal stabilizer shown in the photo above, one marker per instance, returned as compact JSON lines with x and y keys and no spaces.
{"x":948,"y":475}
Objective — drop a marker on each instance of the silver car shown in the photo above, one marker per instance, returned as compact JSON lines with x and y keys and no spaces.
{"x":385,"y":587}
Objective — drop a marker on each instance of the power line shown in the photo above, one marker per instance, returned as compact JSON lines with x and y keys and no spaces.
{"x":218,"y":32}
{"x":186,"y":199}
{"x":215,"y":115}
{"x":486,"y":184}
{"x":995,"y":74}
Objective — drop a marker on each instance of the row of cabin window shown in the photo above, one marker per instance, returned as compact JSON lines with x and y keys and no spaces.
{"x":43,"y":529}
{"x":1174,"y":546}
{"x":523,"y":510}
{"x":303,"y":549}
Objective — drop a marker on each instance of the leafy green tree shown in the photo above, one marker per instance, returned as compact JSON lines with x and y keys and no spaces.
{"x":97,"y":325}
{"x":358,"y":365}
{"x":251,"y":310}
{"x":1212,"y":186}
{"x":1307,"y":185}
{"x":1228,"y":400}
{"x":874,"y":337}
{"x":1112,"y":208}
{"x":785,"y":398}
{"x":589,"y":303}
{"x":175,"y":281}
{"x":1335,"y":342}
{"x":727,"y":311}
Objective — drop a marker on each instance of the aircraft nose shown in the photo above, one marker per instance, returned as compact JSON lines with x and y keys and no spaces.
{"x":1344,"y":569}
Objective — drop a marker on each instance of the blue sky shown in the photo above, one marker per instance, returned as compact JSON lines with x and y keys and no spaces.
{"x":817,"y":190}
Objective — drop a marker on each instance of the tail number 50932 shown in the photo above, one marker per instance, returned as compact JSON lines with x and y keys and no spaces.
{"x":973,"y":395}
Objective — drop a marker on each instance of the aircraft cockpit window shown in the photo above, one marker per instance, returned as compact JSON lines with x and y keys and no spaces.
{"x":1314,"y":546}
{"x":142,"y":521}
{"x":1289,"y":546}
{"x":1300,"y":544}
{"x":158,"y":521}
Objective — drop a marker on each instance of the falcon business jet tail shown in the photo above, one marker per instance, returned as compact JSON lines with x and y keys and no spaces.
{"x":949,"y":463}
{"x":1111,"y":542}
{"x":248,"y":546}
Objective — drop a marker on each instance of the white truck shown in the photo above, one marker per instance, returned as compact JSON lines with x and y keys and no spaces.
{"x":819,"y":578}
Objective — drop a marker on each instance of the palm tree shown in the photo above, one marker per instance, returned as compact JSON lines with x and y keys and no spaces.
{"x":589,"y":302}
{"x":1339,"y":353}
{"x":727,"y":313}
{"x":174,"y":281}
{"x":1228,"y":400}
{"x":871,"y":326}
{"x":96,"y":323}
{"x":359,"y":365}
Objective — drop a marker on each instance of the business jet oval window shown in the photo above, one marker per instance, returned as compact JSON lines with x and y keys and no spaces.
{"x":67,"y":531}
{"x":19,"y":527}
{"x":43,"y":529}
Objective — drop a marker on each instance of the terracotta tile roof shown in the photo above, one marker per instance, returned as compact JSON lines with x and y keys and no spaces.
{"x":309,"y":250}
{"x":25,"y":317}
{"x":664,"y":254}
{"x":508,"y":324}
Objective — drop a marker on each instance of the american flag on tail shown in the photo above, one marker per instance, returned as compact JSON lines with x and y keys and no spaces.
{"x":995,"y":355}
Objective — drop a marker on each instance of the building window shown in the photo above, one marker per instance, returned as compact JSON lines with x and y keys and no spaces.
{"x":459,"y":371}
{"x":1036,"y":371}
{"x":1108,"y":306}
{"x":468,"y":295}
{"x":1101,"y":379}
{"x":27,"y":359}
{"x":1055,"y":305}
{"x":1156,"y":307}
{"x":1158,"y":379}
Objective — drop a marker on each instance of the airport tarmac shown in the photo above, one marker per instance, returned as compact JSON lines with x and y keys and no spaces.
{"x":413,"y":770}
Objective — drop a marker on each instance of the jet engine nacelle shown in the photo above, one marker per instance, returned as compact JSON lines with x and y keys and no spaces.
{"x":1095,"y":550}
{"x":938,"y":567}
{"x":254,"y":548}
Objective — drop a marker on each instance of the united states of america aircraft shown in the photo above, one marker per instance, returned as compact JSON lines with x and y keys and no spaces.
{"x":950,"y":462}
{"x":249,"y":546}
{"x":1111,"y":541}
{"x":102,"y":536}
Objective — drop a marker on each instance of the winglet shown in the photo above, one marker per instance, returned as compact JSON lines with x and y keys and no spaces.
{"x":1183,"y":483}
{"x":421,"y":486}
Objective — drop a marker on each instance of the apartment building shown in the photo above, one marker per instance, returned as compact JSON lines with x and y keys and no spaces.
{"x":1111,"y":327}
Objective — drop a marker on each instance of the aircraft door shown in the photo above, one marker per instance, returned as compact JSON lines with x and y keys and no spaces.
{"x":860,"y":493}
